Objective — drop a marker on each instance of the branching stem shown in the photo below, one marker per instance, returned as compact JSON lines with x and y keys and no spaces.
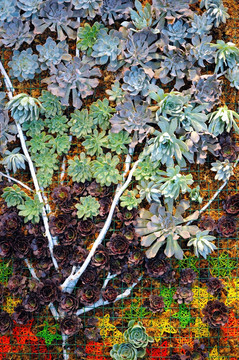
{"x":15,"y":180}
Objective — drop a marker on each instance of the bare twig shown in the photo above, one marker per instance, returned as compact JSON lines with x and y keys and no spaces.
{"x":15,"y":180}
{"x":72,"y":278}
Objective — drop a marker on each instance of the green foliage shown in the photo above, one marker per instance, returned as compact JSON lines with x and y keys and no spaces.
{"x":57,"y":124}
{"x":88,"y":207}
{"x":116,"y":93}
{"x":202,"y":243}
{"x":40,"y":143}
{"x":195,"y":195}
{"x":167,"y":294}
{"x":6,"y":270}
{"x":14,"y":195}
{"x":31,"y":210}
{"x":117,"y":142}
{"x":146,"y":170}
{"x":136,"y":312}
{"x":105,"y":171}
{"x":224,"y":170}
{"x":142,"y":18}
{"x":227,"y":54}
{"x":24,"y":108}
{"x":223,"y":120}
{"x":51,"y":105}
{"x":79,"y":168}
{"x":149,"y":190}
{"x":44,"y":176}
{"x":184,"y":316}
{"x":101,"y":113}
{"x":87,"y":36}
{"x":81,"y":123}
{"x":129,"y":199}
{"x":221,"y":266}
{"x":94,"y":142}
{"x":45,"y":159}
{"x":61,"y":144}
{"x":49,"y":333}
{"x":13,"y":160}
{"x":33,"y":128}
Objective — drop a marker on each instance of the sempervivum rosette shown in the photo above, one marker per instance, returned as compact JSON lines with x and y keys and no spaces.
{"x":71,"y":325}
{"x":215,"y":314}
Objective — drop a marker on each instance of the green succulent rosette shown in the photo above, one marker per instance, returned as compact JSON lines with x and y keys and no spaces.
{"x":124,"y":351}
{"x":137,"y":336}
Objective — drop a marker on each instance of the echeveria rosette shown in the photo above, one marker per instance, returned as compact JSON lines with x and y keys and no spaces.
{"x":224,"y":170}
{"x":104,"y":169}
{"x":183,"y":295}
{"x":202,"y":243}
{"x":94,"y":143}
{"x":124,"y":351}
{"x":101,"y":112}
{"x":52,"y":53}
{"x":201,"y":50}
{"x":201,"y":24}
{"x":13,"y":160}
{"x":207,"y":89}
{"x":214,"y":286}
{"x":88,"y":207}
{"x":195,"y":195}
{"x":88,"y":8}
{"x":137,"y":336}
{"x":24,"y":108}
{"x":215,"y":314}
{"x":149,"y":190}
{"x":233,"y":76}
{"x":223,"y":120}
{"x":136,"y":81}
{"x":113,"y":10}
{"x":155,"y":303}
{"x":15,"y":33}
{"x":142,"y":18}
{"x":227,"y":54}
{"x":30,"y":7}
{"x":165,"y":146}
{"x":218,"y":13}
{"x":24,"y":65}
{"x":116,"y":93}
{"x":177,"y":32}
{"x":77,"y":76}
{"x":8,"y":10}
{"x":159,"y":227}
{"x":51,"y":105}
{"x":87,"y":36}
{"x":170,"y":104}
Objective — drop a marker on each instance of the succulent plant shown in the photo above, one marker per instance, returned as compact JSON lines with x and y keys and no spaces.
{"x":81,"y":123}
{"x":77,"y":76}
{"x":14,"y":160}
{"x":140,"y":48}
{"x":132,"y":116}
{"x":129,"y":199}
{"x":52,"y":53}
{"x":227,"y":54}
{"x":223,"y":120}
{"x":233,"y":76}
{"x":229,"y":150}
{"x":88,"y":207}
{"x":107,"y":49}
{"x":137,"y":336}
{"x":57,"y":17}
{"x":70,"y":325}
{"x":21,"y":316}
{"x":15,"y":33}
{"x":207,"y":223}
{"x":201,"y":24}
{"x":100,"y":258}
{"x":124,"y":351}
{"x":202,"y":243}
{"x":226,"y":226}
{"x":177,"y":33}
{"x":183,"y":295}
{"x":115,"y":94}
{"x":155,"y":303}
{"x":165,"y":146}
{"x":170,"y":104}
{"x":89,"y":294}
{"x":142,"y":18}
{"x":87,"y":36}
{"x":136,"y":81}
{"x":201,"y":50}
{"x":196,"y":352}
{"x":40,"y":143}
{"x":187,"y":277}
{"x":214,"y":286}
{"x":101,"y":112}
{"x":170,"y":11}
{"x":172,"y":184}
{"x":13,"y":195}
{"x":7,"y":131}
{"x":24,"y":65}
{"x":110,"y":293}
{"x":224,"y":170}
{"x":79,"y":168}
{"x":90,"y":276}
{"x":51,"y":105}
{"x":24,"y":108}
{"x":117,"y":142}
{"x":215,"y":314}
{"x":231,"y":205}
{"x":195,"y":195}
{"x":57,"y":125}
{"x":8,"y":10}
{"x":31,"y":210}
{"x":104,"y":169}
{"x":113,"y":10}
{"x":207,"y":90}
{"x":68,"y":303}
{"x":146,"y":170}
{"x":218,"y":13}
{"x":29,"y":7}
{"x":159,"y":227}
{"x":88,"y":8}
{"x":149,"y":190}
{"x":94,"y":142}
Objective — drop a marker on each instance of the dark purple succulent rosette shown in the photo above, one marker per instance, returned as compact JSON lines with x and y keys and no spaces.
{"x":61,"y":254}
{"x":6,"y":323}
{"x":79,"y":255}
{"x":70,"y":235}
{"x":109,"y":293}
{"x":21,"y":315}
{"x":214,"y":286}
{"x":39,"y":246}
{"x":136,"y":257}
{"x":70,"y":325}
{"x":43,"y":266}
{"x":86,"y":228}
{"x":17,"y":284}
{"x":226,"y":226}
{"x":187,"y":276}
{"x":58,"y":224}
{"x":6,"y":249}
{"x":169,"y":277}
{"x":155,"y":303}
{"x":48,"y":292}
{"x":215,"y":314}
{"x":68,"y":303}
{"x":105,"y":204}
{"x":118,"y":245}
{"x":130,"y":276}
{"x":97,"y":190}
{"x":90,"y":276}
{"x":207,"y":223}
{"x":21,"y":246}
{"x":197,"y":352}
{"x":231,"y":205}
{"x":10,"y":224}
{"x":127,"y":216}
{"x":100,"y":258}
{"x":61,"y":194}
{"x":183,"y":295}
{"x":89,"y":294}
{"x":228,"y":149}
{"x":31,"y":302}
{"x":157,"y":266}
{"x":117,"y":265}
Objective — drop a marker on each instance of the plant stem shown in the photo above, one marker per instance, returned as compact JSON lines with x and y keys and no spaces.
{"x":32,"y":170}
{"x":72,"y":278}
{"x":15,"y":180}
{"x":101,"y":302}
